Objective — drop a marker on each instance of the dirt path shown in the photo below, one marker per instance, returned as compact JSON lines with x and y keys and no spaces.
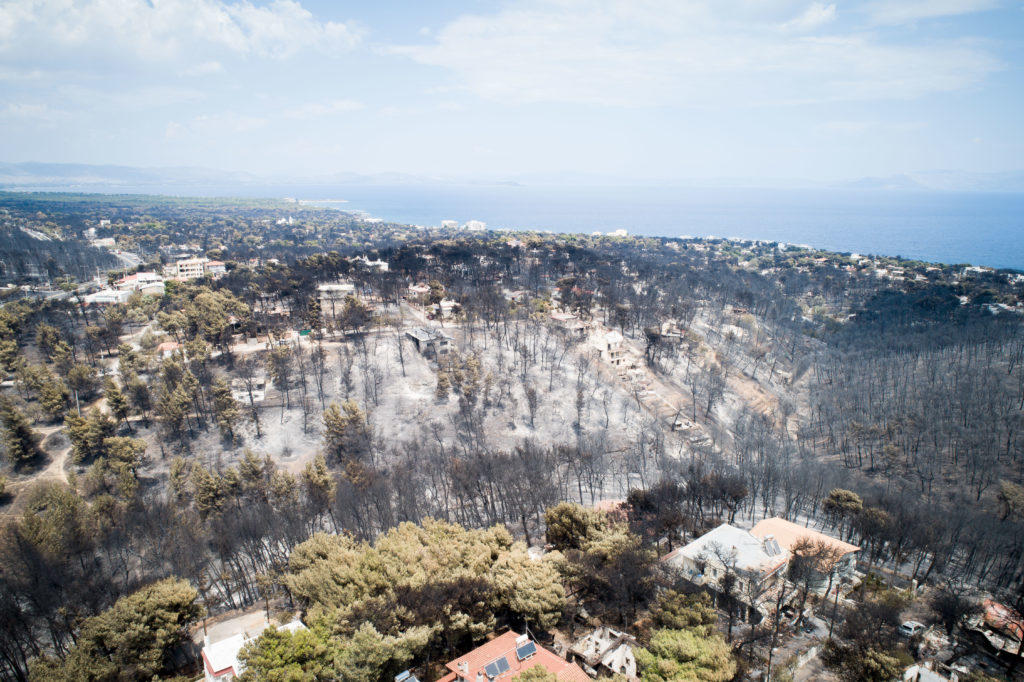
{"x":55,"y":470}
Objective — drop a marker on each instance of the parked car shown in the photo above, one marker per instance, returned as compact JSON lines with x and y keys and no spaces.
{"x":911,"y":628}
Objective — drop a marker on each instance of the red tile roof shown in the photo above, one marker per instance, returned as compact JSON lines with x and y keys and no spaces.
{"x":1004,"y":619}
{"x":505,"y":645}
{"x":788,"y":534}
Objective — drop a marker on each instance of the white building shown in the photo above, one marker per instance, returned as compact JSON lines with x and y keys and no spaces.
{"x":332,"y":297}
{"x":432,"y":343}
{"x":609,"y":345}
{"x":148,"y":283}
{"x":220,"y":659}
{"x":189,"y":268}
{"x":107,"y":297}
{"x":475,"y":225}
{"x":418,"y":289}
{"x":756,"y":563}
{"x":569,"y":321}
{"x":450,"y":224}
{"x":194,"y":268}
{"x":240,"y":391}
{"x":445,"y":308}
{"x":378,"y":265}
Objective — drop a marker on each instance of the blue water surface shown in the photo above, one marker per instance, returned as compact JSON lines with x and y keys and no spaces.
{"x":982,"y":229}
{"x":947,"y":227}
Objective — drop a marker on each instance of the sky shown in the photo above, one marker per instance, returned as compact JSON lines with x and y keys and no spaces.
{"x":662,"y":90}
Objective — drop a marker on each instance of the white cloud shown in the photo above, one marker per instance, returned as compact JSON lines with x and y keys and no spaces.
{"x":206,"y":126}
{"x":32,"y":113}
{"x":204,"y":69}
{"x":135,"y":99}
{"x":189,"y":33}
{"x":688,"y":52}
{"x":854,"y":128}
{"x":321,"y":109}
{"x":844,"y":127}
{"x":894,"y":12}
{"x":815,"y":16}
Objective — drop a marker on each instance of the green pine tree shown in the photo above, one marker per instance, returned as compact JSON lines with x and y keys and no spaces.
{"x":22,"y":443}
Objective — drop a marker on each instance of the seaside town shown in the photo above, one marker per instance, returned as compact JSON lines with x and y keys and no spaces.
{"x":309,"y":442}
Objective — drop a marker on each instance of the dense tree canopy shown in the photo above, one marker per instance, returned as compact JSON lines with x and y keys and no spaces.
{"x":132,"y":639}
{"x":684,"y":656}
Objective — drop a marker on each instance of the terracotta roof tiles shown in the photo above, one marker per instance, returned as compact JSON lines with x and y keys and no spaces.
{"x":505,"y":645}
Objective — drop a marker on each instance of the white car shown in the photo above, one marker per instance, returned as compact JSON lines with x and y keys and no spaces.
{"x":911,"y":628}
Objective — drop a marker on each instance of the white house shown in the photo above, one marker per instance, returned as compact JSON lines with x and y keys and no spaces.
{"x":569,"y":321}
{"x":756,"y":563}
{"x":188,"y":268}
{"x":609,"y":345}
{"x":194,"y":268}
{"x":431,"y":342}
{"x":332,"y":297}
{"x":378,"y":265}
{"x":107,"y":297}
{"x":445,"y":308}
{"x":148,"y":283}
{"x":220,"y":659}
{"x":214,"y":268}
{"x":418,"y":290}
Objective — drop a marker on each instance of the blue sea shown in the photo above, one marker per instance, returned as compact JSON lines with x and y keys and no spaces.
{"x":981,"y":229}
{"x":975,"y":228}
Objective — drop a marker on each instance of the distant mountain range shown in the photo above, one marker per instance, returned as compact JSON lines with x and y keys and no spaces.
{"x":947,"y":181}
{"x":65,"y":174}
{"x":110,"y":178}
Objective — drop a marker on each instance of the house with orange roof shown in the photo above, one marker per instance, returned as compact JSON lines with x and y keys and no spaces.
{"x":506,"y":657}
{"x":790,"y":535}
{"x":167,"y":349}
